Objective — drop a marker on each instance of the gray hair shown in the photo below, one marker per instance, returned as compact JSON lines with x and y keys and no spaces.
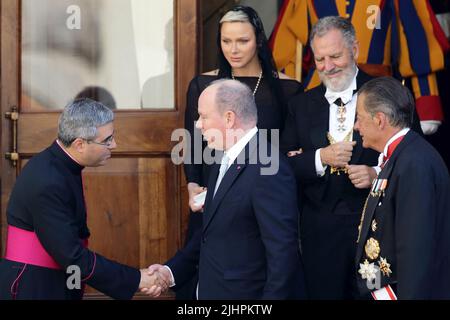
{"x":387,"y":95}
{"x":234,"y":16}
{"x":233,"y":95}
{"x":81,"y":118}
{"x":326,"y":24}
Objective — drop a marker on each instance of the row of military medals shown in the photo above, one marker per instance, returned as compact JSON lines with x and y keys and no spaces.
{"x":341,"y":117}
{"x":372,"y":247}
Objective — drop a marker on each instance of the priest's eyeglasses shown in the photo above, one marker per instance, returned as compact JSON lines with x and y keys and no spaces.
{"x":106,"y":142}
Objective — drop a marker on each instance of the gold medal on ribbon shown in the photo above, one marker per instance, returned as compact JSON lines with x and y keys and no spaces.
{"x":372,"y":248}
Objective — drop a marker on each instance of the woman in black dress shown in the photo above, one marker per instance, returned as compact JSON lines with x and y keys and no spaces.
{"x":244,"y":55}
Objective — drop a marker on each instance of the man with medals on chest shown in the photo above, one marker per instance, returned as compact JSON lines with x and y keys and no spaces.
{"x":404,"y":236}
{"x":333,"y":170}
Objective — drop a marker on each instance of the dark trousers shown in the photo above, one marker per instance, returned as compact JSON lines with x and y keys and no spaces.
{"x":328,"y":241}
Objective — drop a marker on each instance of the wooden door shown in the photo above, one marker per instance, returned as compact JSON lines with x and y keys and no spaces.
{"x":137,"y":203}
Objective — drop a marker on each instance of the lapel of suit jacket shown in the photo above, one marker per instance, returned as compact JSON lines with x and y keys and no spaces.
{"x":319,"y":113}
{"x":228,"y":179}
{"x":373,"y":201}
{"x":214,"y":173}
{"x":361,"y":78}
{"x":358,"y":148}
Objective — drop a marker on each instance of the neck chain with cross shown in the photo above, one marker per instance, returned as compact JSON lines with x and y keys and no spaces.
{"x":341,"y":114}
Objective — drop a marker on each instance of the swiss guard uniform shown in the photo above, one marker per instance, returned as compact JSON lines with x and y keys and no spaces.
{"x":407,"y":36}
{"x":47,"y":233}
{"x":404,"y":242}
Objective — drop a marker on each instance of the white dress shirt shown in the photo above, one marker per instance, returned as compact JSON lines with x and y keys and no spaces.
{"x":349,"y":99}
{"x":235,"y":150}
{"x":232,"y":153}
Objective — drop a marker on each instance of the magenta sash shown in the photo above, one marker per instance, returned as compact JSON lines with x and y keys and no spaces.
{"x":24,"y":246}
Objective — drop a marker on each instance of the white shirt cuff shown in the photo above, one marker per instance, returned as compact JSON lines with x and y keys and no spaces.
{"x":377,"y":169}
{"x":320,"y":169}
{"x":172,"y":279}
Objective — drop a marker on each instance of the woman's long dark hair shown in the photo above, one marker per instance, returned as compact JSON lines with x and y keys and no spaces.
{"x":264,"y":54}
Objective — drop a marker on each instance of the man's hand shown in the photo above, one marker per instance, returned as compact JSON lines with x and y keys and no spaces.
{"x":193,"y":190}
{"x":361,"y":176}
{"x":163,"y":280}
{"x":295,"y":152}
{"x":337,"y":154}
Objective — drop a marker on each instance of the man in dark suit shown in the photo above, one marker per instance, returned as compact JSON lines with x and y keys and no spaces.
{"x":404,"y":243}
{"x":333,"y":170}
{"x":248,"y":246}
{"x":46,"y":252}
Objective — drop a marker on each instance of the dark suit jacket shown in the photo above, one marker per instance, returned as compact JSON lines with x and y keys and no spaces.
{"x":48,"y":199}
{"x":412,"y":223}
{"x":306,"y":127}
{"x":248,"y":246}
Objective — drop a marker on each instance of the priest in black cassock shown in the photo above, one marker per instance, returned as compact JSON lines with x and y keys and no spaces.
{"x":46,"y":215}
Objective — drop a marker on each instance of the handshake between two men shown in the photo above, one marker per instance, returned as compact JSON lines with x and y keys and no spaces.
{"x":155,"y":280}
{"x":337,"y":155}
